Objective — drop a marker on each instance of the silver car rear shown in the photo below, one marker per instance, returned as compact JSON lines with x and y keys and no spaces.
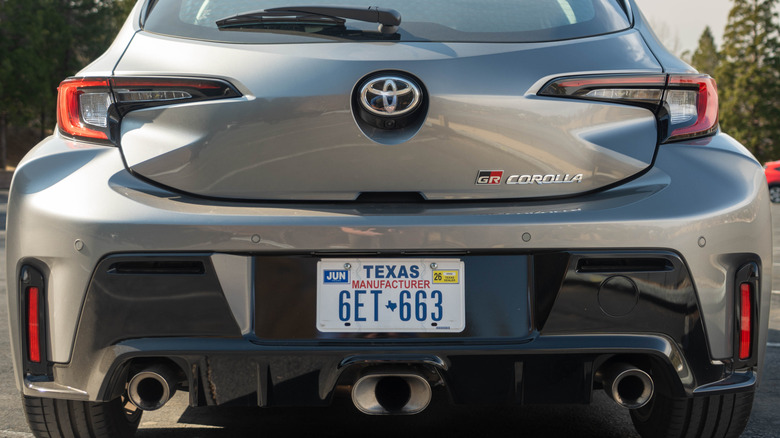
{"x":235,"y":184}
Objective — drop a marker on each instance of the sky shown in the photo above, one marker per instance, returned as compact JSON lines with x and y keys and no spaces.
{"x":681,"y":22}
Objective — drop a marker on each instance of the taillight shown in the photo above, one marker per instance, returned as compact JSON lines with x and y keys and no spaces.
{"x":33,"y":325}
{"x":686,"y":105}
{"x":646,"y":89}
{"x":745,"y":320}
{"x":82,"y":108}
{"x":693,"y":106}
{"x":91,"y":108}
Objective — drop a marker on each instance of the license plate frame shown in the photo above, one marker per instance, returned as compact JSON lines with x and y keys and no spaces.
{"x":391,"y":295}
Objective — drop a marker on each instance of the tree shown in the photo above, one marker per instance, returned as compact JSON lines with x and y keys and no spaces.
{"x":21,"y":72}
{"x":749,"y":77}
{"x":41,"y":43}
{"x":5,"y":70}
{"x":706,"y":58}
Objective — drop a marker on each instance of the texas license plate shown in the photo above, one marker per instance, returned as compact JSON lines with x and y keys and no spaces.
{"x":391,"y":295}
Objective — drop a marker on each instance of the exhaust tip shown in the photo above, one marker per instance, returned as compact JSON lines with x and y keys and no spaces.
{"x":391,"y":394}
{"x":151,"y":388}
{"x":628,"y":386}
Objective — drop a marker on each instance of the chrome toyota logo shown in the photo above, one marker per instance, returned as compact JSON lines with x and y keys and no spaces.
{"x":390,"y":96}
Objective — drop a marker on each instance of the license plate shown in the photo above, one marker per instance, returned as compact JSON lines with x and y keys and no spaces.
{"x":391,"y":295}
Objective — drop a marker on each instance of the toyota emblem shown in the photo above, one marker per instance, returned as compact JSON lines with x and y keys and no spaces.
{"x":390,"y":96}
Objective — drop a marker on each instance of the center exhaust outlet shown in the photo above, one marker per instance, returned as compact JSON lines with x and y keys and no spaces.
{"x":627,"y":385}
{"x":391,"y":394}
{"x":151,"y":388}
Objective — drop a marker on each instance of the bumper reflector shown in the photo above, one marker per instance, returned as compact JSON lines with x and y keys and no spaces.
{"x":33,"y":324}
{"x":745,"y":334}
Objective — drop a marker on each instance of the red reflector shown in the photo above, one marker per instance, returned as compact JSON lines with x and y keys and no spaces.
{"x":745,"y":321}
{"x":33,"y":332}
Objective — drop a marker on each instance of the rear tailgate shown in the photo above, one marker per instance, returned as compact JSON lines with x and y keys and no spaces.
{"x":293,"y":134}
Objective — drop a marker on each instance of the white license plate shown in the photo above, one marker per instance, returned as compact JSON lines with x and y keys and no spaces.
{"x":391,"y":295}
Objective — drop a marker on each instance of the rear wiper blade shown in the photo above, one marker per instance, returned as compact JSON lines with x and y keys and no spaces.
{"x":277,"y":17}
{"x":389,"y":19}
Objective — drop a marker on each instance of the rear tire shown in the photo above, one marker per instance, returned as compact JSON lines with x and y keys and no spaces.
{"x":717,"y":416}
{"x":52,"y":418}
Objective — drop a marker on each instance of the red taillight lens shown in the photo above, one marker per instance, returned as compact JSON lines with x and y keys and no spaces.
{"x":84,"y":104}
{"x":646,"y":89}
{"x":700,"y":114}
{"x":685,"y":105}
{"x":165,"y":91}
{"x":33,"y":325}
{"x":71,"y":109}
{"x":745,"y":320}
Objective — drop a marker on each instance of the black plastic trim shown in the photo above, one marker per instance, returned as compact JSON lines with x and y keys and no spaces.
{"x":159,"y":267}
{"x":390,"y":197}
{"x":549,"y":370}
{"x":570,"y":336}
{"x":624,"y":265}
{"x":497,"y":287}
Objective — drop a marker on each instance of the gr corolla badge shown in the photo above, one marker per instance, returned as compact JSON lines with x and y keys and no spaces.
{"x":511,"y":203}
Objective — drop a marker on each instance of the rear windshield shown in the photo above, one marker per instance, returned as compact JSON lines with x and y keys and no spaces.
{"x":422,"y":20}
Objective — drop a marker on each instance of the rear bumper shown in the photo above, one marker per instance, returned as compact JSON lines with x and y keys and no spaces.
{"x":532,"y":337}
{"x":703,"y":204}
{"x":238,"y":372}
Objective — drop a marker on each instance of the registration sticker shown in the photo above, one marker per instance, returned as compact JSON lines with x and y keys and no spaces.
{"x":391,"y":295}
{"x":336,"y":276}
{"x":445,"y":277}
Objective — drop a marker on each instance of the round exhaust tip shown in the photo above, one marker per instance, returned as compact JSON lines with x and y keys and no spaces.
{"x":391,"y":394}
{"x":151,"y":388}
{"x":628,"y":386}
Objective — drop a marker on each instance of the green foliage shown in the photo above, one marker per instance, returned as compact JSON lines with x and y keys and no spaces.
{"x":44,"y":41}
{"x":749,"y":77}
{"x":21,"y":71}
{"x":706,"y":58}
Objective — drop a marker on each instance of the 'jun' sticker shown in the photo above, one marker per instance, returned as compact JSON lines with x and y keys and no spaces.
{"x":336,"y":276}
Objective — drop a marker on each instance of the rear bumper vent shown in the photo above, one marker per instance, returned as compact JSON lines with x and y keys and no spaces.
{"x":622,"y":265}
{"x":157,"y":267}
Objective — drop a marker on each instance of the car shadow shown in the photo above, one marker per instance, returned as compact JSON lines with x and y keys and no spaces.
{"x":603,"y":419}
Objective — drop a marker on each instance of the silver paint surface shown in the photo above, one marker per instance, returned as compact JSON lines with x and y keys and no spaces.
{"x":294,"y":135}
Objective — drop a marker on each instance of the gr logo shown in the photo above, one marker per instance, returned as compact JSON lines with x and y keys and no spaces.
{"x":491,"y":177}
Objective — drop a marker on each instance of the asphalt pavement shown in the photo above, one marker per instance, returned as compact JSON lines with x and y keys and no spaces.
{"x":602,"y":418}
